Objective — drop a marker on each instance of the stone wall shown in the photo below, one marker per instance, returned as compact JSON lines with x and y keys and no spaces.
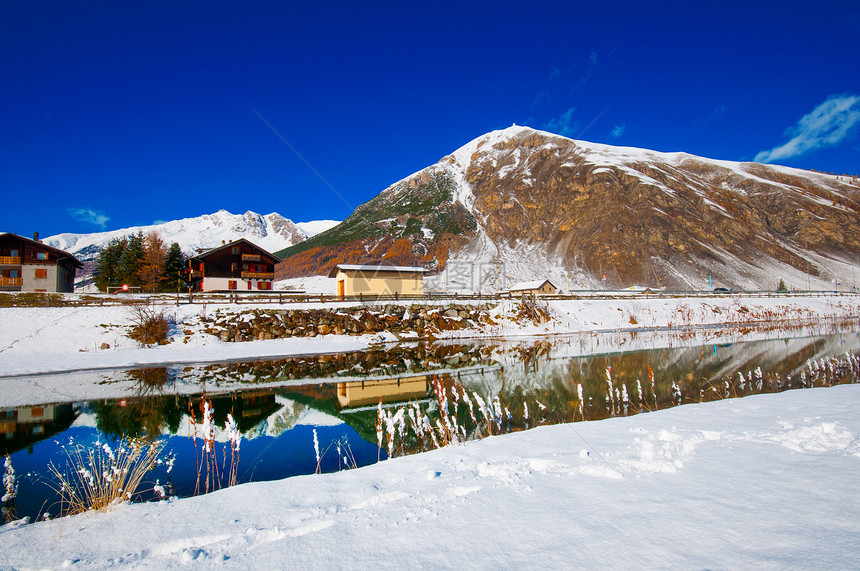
{"x":423,"y":320}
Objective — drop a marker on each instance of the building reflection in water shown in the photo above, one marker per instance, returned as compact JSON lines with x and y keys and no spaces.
{"x":23,"y":426}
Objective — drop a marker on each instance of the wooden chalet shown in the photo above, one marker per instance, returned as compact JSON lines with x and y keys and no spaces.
{"x":238,"y":266}
{"x":30,"y":265}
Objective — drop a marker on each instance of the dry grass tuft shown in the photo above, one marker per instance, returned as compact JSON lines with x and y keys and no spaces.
{"x":149,"y":327}
{"x":100,"y":477}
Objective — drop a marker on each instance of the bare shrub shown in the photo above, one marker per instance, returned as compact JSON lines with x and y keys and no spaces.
{"x":149,"y":327}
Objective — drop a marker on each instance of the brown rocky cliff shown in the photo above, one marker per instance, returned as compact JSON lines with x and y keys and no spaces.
{"x":639,"y":221}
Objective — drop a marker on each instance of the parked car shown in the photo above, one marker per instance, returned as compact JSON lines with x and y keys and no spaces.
{"x":722,"y":290}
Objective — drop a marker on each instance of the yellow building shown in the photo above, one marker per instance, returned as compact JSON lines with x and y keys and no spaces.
{"x":378,"y":280}
{"x":371,"y":392}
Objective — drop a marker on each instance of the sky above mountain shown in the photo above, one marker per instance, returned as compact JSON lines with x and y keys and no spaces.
{"x":120,"y":114}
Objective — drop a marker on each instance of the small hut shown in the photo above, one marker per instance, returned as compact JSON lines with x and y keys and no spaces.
{"x":544,"y":287}
{"x":378,"y":280}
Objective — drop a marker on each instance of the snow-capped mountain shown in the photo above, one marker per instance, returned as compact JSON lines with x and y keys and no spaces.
{"x":271,"y":232}
{"x":520,"y":204}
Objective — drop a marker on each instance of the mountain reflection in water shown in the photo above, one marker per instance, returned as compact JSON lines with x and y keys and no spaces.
{"x":281,"y":406}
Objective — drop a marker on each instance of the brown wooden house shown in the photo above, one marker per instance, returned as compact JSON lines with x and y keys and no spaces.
{"x":30,"y":265}
{"x":237,"y":266}
{"x":539,"y":287}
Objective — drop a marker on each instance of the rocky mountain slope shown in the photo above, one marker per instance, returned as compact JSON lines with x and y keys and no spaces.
{"x":271,"y":232}
{"x":520,"y":204}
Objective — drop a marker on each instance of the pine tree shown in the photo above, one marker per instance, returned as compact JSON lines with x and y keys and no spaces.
{"x":151,"y":268}
{"x":131,"y":259}
{"x":170,"y":280}
{"x":108,"y":264}
{"x":781,"y":286}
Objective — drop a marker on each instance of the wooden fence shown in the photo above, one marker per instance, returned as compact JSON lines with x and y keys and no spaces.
{"x":289,"y":298}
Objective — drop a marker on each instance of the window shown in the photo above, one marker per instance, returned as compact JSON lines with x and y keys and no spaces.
{"x":235,"y":250}
{"x":13,"y":273}
{"x":232,"y":267}
{"x":41,"y":255}
{"x":37,"y":411}
{"x":13,"y":254}
{"x":264,"y":285}
{"x":41,"y":274}
{"x":231,"y":284}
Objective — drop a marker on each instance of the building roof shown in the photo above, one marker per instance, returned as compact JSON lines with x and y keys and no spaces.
{"x":62,"y":253}
{"x":233,"y":243}
{"x":376,"y":269}
{"x":526,"y":286}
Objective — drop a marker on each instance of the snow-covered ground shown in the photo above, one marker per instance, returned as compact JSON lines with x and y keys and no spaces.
{"x":42,"y":340}
{"x":308,"y":284}
{"x":765,"y":481}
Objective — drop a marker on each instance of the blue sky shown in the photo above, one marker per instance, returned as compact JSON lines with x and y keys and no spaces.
{"x":115,"y":114}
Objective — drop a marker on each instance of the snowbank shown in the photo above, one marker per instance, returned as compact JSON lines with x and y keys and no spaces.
{"x":761,"y":482}
{"x":41,"y":340}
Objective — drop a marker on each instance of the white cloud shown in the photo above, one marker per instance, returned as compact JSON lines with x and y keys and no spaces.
{"x":89,"y":216}
{"x":825,"y":126}
{"x":563,"y":125}
{"x":618,"y":130}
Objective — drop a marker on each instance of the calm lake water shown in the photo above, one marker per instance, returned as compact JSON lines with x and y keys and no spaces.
{"x":303,"y":415}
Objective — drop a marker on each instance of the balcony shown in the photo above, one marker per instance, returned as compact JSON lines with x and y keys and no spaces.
{"x":250,"y":257}
{"x":16,"y":281}
{"x":10,"y":260}
{"x":258,"y":275}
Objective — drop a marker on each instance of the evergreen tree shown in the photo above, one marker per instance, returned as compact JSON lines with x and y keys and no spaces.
{"x":108,"y":264}
{"x":171,"y":281}
{"x":151,"y":268}
{"x":781,"y":286}
{"x":131,"y":260}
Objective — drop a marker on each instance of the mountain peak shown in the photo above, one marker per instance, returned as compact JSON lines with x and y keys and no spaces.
{"x":533,"y":205}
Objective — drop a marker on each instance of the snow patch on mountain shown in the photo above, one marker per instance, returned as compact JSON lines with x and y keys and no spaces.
{"x":482,"y":266}
{"x":316,"y":226}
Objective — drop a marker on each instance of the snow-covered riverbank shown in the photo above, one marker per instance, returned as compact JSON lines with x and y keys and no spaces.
{"x":40,"y":340}
{"x":762,"y":482}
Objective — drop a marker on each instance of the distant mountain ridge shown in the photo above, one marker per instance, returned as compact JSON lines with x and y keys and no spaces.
{"x":271,"y":232}
{"x":520,"y":204}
